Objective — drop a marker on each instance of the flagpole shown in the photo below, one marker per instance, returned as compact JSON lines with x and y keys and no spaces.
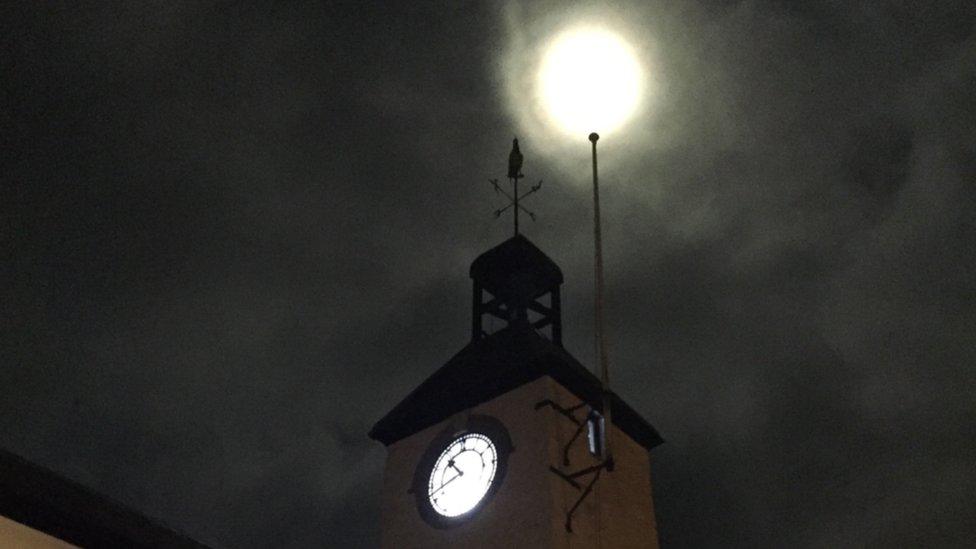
{"x":601,"y":347}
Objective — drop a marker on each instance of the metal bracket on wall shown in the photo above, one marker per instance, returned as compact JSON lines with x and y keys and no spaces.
{"x":568,"y":413}
{"x":572,"y":478}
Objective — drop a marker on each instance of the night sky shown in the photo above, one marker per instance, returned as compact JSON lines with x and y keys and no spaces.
{"x":232,"y":237}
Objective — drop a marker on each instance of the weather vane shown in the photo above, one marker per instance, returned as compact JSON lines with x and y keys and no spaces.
{"x":514,"y":174}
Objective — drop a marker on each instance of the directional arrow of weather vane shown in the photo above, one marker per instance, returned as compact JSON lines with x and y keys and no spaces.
{"x":514,"y":174}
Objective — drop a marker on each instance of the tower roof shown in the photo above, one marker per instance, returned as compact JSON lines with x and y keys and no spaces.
{"x":516,"y":269}
{"x":497,"y":364}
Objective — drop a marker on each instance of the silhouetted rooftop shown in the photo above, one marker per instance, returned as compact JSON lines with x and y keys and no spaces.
{"x":47,"y":502}
{"x":516,"y":268}
{"x":489,"y":367}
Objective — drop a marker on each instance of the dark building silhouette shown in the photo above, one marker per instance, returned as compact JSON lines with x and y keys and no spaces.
{"x":41,"y":509}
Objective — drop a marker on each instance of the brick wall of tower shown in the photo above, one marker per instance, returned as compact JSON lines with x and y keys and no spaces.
{"x":517,"y":515}
{"x":530,"y":506}
{"x":619,"y":513}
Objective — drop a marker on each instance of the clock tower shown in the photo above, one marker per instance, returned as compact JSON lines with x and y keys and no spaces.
{"x":503,"y":446}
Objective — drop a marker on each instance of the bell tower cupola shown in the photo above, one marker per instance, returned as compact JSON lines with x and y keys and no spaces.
{"x":516,"y":284}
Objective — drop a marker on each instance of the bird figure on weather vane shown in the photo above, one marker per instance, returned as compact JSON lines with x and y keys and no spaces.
{"x":515,"y":161}
{"x":514,"y":174}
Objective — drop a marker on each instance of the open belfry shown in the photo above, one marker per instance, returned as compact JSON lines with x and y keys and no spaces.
{"x":513,"y":442}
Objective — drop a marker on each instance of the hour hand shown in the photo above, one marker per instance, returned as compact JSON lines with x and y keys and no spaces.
{"x":451,"y":464}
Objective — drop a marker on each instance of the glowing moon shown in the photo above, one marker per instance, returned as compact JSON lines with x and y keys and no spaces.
{"x":589,"y":80}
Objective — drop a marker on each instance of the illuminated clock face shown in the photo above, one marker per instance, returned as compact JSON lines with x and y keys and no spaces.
{"x":462,"y":474}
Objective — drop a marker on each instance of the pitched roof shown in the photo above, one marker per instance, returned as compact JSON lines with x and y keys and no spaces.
{"x":489,"y":367}
{"x":516,"y":268}
{"x":42,"y":499}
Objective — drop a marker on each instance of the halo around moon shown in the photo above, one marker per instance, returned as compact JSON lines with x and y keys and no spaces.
{"x":589,"y":79}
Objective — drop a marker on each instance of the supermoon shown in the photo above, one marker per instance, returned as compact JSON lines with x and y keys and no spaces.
{"x":589,"y":80}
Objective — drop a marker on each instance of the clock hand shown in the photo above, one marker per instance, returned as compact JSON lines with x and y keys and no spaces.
{"x":452,"y":479}
{"x":451,"y":464}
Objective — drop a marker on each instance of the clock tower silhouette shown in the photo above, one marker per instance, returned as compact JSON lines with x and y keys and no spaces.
{"x":503,"y":446}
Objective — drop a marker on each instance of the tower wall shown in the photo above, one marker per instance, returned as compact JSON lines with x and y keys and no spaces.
{"x":619,"y":513}
{"x":516,"y":516}
{"x":529,"y":508}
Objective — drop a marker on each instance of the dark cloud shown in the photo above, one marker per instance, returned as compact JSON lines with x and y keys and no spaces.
{"x":232,"y":237}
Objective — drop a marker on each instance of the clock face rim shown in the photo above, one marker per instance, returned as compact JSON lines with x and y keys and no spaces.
{"x":487,"y":426}
{"x":459,"y":451}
